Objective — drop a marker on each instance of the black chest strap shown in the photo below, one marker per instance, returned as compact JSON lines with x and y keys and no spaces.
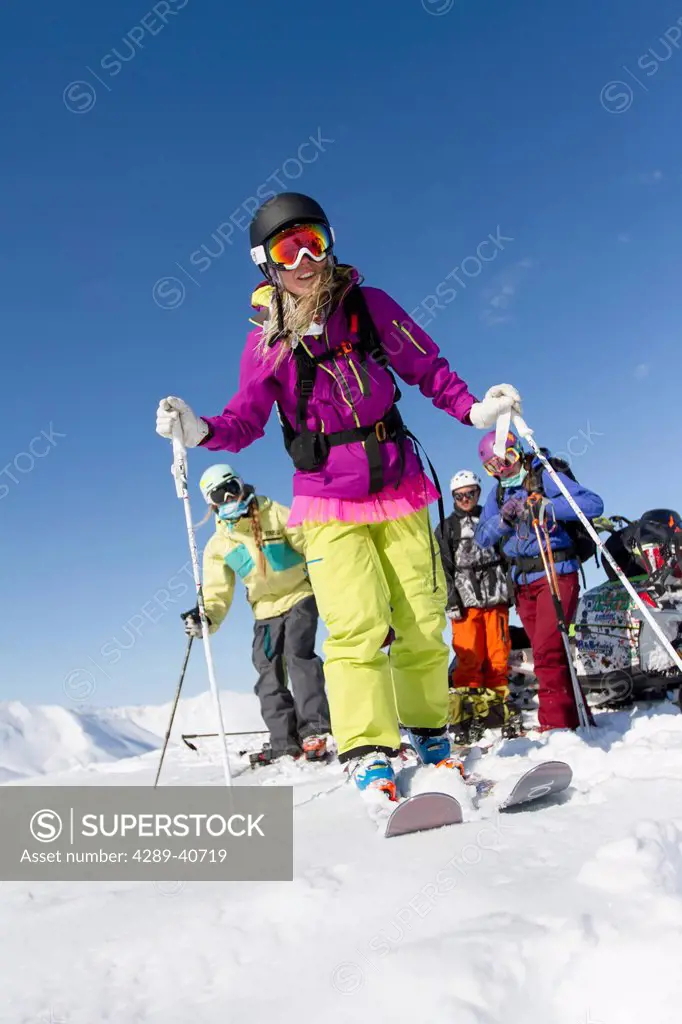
{"x":309,"y":449}
{"x":312,"y":448}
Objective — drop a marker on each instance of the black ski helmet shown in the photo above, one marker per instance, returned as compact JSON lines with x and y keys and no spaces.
{"x":282,"y":211}
{"x":665,"y":516}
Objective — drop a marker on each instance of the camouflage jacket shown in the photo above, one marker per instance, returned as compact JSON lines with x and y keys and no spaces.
{"x":476,"y":577}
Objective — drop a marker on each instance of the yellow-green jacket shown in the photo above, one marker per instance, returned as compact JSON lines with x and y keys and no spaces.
{"x":232,"y":551}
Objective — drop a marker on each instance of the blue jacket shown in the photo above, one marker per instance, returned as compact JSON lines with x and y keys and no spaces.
{"x":520,"y":539}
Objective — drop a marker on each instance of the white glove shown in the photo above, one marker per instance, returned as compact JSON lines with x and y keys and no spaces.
{"x":506,"y":391}
{"x":454,"y":614}
{"x":193,"y":428}
{"x":498,"y":399}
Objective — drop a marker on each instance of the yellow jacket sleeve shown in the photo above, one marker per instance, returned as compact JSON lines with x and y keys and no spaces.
{"x":294,"y":534}
{"x":218,"y":582}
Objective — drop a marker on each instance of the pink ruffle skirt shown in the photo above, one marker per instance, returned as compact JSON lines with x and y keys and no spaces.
{"x":412,"y":495}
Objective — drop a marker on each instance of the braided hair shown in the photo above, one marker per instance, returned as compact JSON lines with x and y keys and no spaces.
{"x":257,"y":530}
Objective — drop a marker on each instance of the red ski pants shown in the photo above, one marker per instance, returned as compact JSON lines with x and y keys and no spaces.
{"x":536,"y":610}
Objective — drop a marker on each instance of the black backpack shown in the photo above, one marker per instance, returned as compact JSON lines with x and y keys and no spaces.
{"x":583,"y":546}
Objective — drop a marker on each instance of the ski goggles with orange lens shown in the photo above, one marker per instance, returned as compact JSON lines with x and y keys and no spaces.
{"x":497,"y":464}
{"x":287,"y":249}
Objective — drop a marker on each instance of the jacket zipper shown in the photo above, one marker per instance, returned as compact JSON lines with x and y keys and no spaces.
{"x":406,"y":332}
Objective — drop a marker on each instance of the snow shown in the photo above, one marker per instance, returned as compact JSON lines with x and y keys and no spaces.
{"x":45,"y":739}
{"x":567,"y":913}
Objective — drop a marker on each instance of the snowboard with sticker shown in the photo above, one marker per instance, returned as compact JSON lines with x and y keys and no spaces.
{"x":427,"y":811}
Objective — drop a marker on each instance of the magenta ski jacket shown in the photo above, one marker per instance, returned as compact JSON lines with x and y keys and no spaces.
{"x":342,"y":397}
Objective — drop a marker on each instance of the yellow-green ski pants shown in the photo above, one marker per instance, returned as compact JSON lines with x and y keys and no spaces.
{"x":366,"y":578}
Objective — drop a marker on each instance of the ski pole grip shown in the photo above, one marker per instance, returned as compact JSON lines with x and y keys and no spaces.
{"x":520,"y":426}
{"x":179,"y":469}
{"x":501,"y":431}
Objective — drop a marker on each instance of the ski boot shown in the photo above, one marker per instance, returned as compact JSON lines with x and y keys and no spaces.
{"x":461,"y":735}
{"x":465,"y":726}
{"x":315,"y":747}
{"x":513,"y":726}
{"x":435,"y":750}
{"x":373,"y":772}
{"x":476,"y":709}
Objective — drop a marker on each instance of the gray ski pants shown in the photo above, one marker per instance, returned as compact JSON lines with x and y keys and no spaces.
{"x":285,"y":646}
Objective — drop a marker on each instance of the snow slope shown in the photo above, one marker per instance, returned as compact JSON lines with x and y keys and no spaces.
{"x":44,"y":739}
{"x":39,"y":740}
{"x":562,"y":914}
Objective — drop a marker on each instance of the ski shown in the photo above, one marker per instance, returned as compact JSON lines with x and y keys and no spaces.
{"x":426,"y":811}
{"x":547,"y":779}
{"x":423,"y":812}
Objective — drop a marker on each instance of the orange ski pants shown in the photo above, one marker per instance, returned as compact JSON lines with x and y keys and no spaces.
{"x":482,"y":644}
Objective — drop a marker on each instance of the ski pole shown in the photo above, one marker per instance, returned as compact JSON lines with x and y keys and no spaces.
{"x":584,"y":717}
{"x":524,"y":431}
{"x":179,"y":471}
{"x":175,"y":705}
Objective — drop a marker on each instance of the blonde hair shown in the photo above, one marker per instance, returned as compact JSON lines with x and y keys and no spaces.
{"x":290,"y":315}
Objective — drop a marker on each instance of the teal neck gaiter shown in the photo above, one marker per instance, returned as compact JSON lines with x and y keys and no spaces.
{"x":516,"y":480}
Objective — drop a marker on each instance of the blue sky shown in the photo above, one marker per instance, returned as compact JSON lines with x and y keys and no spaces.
{"x":132,"y":136}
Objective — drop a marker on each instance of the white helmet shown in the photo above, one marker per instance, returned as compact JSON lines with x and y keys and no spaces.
{"x":465,"y":478}
{"x":218,"y":476}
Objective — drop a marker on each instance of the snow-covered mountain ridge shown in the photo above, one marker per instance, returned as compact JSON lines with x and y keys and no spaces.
{"x":42,"y":739}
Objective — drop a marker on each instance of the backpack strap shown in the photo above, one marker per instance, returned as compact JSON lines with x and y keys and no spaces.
{"x":305,"y":381}
{"x":368,"y":345}
{"x":360,"y":322}
{"x":306,"y":371}
{"x":456,"y":527}
{"x":390,"y":428}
